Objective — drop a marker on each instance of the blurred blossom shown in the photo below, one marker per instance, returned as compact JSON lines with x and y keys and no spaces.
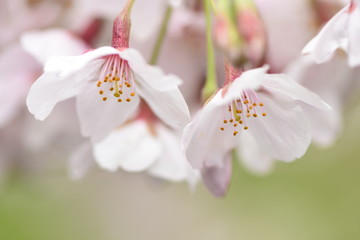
{"x":256,"y":105}
{"x":17,"y":71}
{"x":145,"y":144}
{"x":44,"y":44}
{"x":335,"y":82}
{"x":289,"y":26}
{"x":17,"y":16}
{"x":341,"y":32}
{"x":239,"y":30}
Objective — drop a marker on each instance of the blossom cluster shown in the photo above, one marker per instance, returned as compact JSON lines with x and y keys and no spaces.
{"x":177,"y":89}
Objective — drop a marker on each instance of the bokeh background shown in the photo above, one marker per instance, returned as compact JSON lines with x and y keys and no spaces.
{"x":315,"y":198}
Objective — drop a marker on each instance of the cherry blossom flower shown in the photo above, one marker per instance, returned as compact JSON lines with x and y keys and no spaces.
{"x":108,"y":83}
{"x":254,"y":104}
{"x":144,"y":146}
{"x":341,"y":32}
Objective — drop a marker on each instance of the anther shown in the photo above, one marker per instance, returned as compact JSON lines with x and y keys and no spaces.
{"x":222,"y":129}
{"x":101,"y":92}
{"x":225,"y":121}
{"x":119,"y":100}
{"x":116,"y":94}
{"x":128,"y":99}
{"x":111,"y":89}
{"x":104,"y":98}
{"x":254,"y":115}
{"x":246,"y":128}
{"x":264,"y":114}
{"x":132,"y":94}
{"x":235,"y":132}
{"x":261,"y":104}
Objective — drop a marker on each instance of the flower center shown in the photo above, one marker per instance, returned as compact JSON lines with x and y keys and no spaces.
{"x":240,"y":111}
{"x":116,"y":79}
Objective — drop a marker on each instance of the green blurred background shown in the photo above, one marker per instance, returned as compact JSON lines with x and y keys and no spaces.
{"x":314,"y":198}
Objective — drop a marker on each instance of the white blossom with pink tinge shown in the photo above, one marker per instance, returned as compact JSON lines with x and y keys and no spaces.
{"x":341,"y":32}
{"x":107,"y":84}
{"x":142,"y":146}
{"x":256,"y":105}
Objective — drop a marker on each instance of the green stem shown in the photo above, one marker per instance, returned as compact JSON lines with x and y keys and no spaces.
{"x":211,"y":83}
{"x":213,"y":6}
{"x":161,"y":36}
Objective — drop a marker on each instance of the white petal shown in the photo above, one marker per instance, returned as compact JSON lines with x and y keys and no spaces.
{"x":80,"y":161}
{"x":252,"y":156}
{"x":51,"y":88}
{"x":354,"y":38}
{"x":325,"y":125}
{"x":172,"y":164}
{"x":43,"y":44}
{"x":203,"y":141}
{"x":131,"y":148}
{"x":169,"y":106}
{"x":217,"y":179}
{"x":249,"y":79}
{"x":330,"y":38}
{"x":332,"y":81}
{"x":151,"y":75}
{"x":97,"y":117}
{"x":284,"y":134}
{"x":284,"y":85}
{"x":67,"y":65}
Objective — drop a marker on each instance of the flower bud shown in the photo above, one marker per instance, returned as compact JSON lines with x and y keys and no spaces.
{"x":240,"y":32}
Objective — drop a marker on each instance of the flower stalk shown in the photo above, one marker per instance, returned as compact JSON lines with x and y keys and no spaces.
{"x":161,"y":36}
{"x":211,"y":83}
